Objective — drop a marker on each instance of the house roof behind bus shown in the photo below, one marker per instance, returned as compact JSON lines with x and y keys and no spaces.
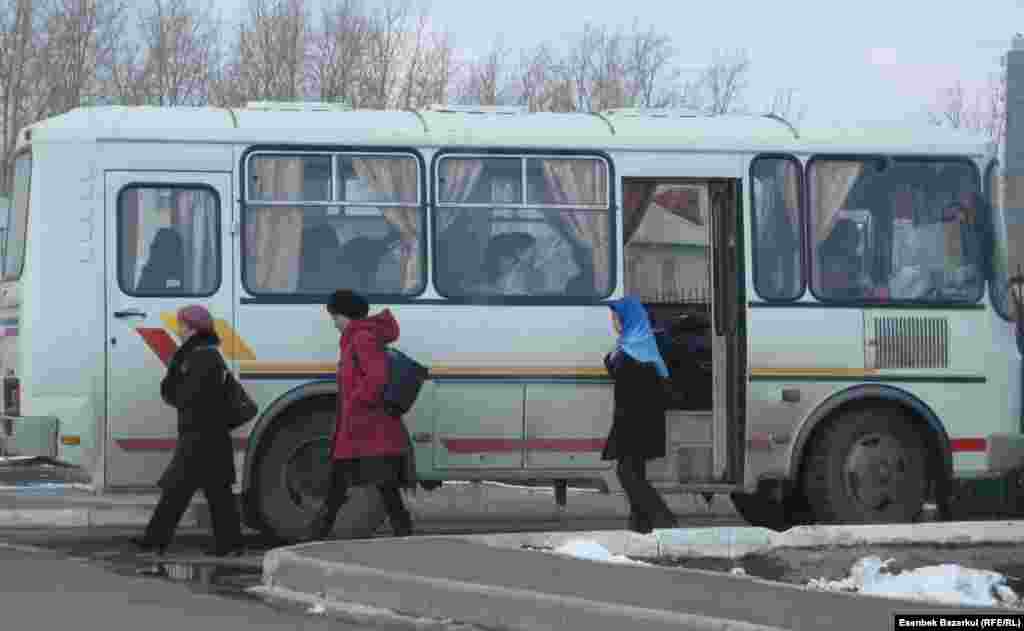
{"x":618,"y":129}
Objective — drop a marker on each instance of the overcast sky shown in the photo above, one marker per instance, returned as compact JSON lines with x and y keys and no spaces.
{"x":867,"y":59}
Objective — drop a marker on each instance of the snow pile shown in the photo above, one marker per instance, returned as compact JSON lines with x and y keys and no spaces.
{"x":593,"y":551}
{"x":945,"y":584}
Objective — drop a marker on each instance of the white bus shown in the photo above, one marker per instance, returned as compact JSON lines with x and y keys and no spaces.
{"x":852,"y":353}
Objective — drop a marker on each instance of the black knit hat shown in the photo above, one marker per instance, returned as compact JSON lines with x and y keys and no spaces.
{"x":348,"y":303}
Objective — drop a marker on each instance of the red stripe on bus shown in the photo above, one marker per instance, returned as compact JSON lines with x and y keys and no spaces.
{"x":491,"y":445}
{"x":968,"y":444}
{"x":162,"y":444}
{"x":159,"y":342}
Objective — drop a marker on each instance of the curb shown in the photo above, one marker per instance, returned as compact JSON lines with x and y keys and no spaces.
{"x":735,"y":542}
{"x":484,"y":605}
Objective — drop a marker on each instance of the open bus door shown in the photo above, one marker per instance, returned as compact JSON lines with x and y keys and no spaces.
{"x":685,"y":261}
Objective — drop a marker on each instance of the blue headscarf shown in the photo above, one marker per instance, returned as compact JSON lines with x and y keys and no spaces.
{"x":637,"y":339}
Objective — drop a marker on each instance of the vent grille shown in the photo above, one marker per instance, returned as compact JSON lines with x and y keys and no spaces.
{"x":911,"y":342}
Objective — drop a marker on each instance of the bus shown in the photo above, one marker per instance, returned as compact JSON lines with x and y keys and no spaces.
{"x":843,"y":341}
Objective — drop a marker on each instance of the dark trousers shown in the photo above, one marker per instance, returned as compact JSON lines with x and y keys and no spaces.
{"x":174,"y":500}
{"x":646,"y":506}
{"x":337,"y":494}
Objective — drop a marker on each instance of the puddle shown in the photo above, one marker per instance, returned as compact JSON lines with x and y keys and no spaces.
{"x":222,"y":579}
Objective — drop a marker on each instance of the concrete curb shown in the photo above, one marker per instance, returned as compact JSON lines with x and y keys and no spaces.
{"x":485,"y":605}
{"x":736,"y":542}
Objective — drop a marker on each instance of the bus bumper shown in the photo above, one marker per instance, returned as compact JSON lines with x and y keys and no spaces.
{"x":29,"y":436}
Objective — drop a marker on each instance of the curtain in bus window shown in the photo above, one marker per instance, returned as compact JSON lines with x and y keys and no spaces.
{"x":129,"y":237}
{"x":275,"y":232}
{"x":198,"y":219}
{"x":583,"y":182}
{"x":462,"y":234}
{"x":636,"y":200}
{"x":831,"y":182}
{"x":395,"y":178}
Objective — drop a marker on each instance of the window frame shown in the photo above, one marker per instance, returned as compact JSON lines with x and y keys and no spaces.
{"x":874,"y":302}
{"x":802,"y":232}
{"x":993,"y":298}
{"x":610,"y":208}
{"x":4,"y":275}
{"x":256,"y":296}
{"x":217,"y":238}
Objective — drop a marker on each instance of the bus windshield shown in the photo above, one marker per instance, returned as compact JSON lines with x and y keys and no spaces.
{"x":17,"y":219}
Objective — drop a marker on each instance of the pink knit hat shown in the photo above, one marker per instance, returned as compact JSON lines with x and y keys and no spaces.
{"x":196,"y":317}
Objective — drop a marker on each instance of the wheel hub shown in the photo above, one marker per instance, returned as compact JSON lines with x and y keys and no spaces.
{"x":874,"y":470}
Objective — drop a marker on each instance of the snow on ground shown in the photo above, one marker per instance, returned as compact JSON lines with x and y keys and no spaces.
{"x":593,"y":551}
{"x":946,"y":584}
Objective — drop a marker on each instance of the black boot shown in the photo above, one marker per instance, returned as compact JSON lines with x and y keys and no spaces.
{"x":640,"y":523}
{"x":401,"y":524}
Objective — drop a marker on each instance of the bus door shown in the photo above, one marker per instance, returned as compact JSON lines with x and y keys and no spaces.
{"x":165,"y":235}
{"x":682,"y":259}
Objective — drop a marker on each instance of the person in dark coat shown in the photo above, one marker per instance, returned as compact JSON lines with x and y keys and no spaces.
{"x":370,"y":446}
{"x":638,"y":424}
{"x":204,"y":456}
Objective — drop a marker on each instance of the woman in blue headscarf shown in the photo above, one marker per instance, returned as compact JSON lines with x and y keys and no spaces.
{"x":638,"y":424}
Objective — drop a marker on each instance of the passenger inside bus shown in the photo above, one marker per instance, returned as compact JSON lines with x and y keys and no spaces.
{"x":359,"y":263}
{"x":841,"y":258}
{"x":165,"y":269}
{"x":318,"y":260}
{"x":509,"y":265}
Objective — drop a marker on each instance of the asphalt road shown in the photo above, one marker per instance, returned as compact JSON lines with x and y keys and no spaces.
{"x":49,"y":577}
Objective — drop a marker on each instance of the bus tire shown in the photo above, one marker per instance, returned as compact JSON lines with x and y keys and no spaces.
{"x":292,"y":477}
{"x":867,"y":465}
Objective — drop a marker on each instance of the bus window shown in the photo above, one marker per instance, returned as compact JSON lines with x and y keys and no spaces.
{"x":897,"y":230}
{"x":778,"y":239}
{"x":17,"y":222}
{"x":496,"y":239}
{"x":169,"y":241}
{"x":314,"y":224}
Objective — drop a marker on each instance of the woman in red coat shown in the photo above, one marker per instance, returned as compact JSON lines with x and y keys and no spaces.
{"x":370,"y":445}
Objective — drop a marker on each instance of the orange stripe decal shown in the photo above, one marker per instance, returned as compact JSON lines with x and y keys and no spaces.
{"x":159,"y":342}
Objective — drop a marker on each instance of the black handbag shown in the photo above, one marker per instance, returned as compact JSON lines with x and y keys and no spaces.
{"x":240,"y":407}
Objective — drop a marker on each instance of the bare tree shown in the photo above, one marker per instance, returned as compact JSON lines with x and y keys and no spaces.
{"x":983,"y":112}
{"x":785,"y":106}
{"x":387,"y":35}
{"x":181,"y":51}
{"x":430,"y":67}
{"x":19,"y":43}
{"x":650,"y":76}
{"x":723,"y":82}
{"x":81,"y":38}
{"x":487,"y":80}
{"x":269,"y":58}
{"x":339,"y":58}
{"x":543,"y":81}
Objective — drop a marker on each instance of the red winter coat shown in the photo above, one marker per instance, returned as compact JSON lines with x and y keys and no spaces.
{"x":363,"y":428}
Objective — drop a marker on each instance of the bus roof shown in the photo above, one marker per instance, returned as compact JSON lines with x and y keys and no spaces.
{"x":615,"y":129}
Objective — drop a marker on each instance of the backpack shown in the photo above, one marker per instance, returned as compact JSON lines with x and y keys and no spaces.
{"x":405,"y":379}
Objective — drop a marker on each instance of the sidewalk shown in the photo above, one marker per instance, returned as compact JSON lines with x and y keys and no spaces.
{"x":37,"y":505}
{"x":472,"y":580}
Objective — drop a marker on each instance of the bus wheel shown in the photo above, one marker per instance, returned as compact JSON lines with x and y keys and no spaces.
{"x":868,"y":465}
{"x":292,"y":478}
